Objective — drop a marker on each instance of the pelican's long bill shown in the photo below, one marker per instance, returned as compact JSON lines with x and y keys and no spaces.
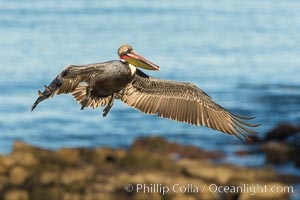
{"x":139,"y":61}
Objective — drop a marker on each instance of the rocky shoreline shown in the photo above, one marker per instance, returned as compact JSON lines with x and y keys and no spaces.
{"x":152,"y":168}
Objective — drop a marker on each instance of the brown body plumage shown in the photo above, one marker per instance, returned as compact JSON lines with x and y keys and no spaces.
{"x":99,"y":84}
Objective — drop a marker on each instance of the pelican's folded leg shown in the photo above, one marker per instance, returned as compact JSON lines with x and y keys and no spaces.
{"x":109,"y":105}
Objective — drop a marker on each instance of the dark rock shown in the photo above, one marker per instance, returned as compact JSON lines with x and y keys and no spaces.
{"x":160,"y":145}
{"x":289,"y":179}
{"x":102,"y":156}
{"x":281,"y":132}
{"x":3,"y":182}
{"x":281,"y":152}
{"x":48,"y":193}
{"x":297,"y":162}
{"x":277,"y":152}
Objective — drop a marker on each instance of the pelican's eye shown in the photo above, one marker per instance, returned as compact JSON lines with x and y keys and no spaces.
{"x":129,"y":50}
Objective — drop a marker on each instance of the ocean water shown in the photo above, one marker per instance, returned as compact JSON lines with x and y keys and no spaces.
{"x":243,"y":54}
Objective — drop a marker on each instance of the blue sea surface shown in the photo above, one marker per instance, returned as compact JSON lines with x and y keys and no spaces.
{"x":245,"y":54}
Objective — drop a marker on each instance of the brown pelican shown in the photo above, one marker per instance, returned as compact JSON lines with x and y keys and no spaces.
{"x":95,"y":85}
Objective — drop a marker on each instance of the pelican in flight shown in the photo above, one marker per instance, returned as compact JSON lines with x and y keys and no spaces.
{"x":95,"y":85}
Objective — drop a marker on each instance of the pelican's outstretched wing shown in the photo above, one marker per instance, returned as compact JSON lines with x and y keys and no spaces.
{"x":182,"y":102}
{"x":64,"y":83}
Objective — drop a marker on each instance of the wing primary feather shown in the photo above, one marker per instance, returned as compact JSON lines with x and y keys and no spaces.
{"x":243,"y":117}
{"x":242,"y":133}
{"x":244,"y":128}
{"x":228,"y":125}
{"x":244,"y":123}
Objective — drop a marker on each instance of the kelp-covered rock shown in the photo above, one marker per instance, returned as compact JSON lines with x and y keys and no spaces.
{"x":18,"y":175}
{"x":174,"y":150}
{"x":16,"y":194}
{"x":105,"y":173}
{"x":281,"y":132}
{"x":282,"y":145}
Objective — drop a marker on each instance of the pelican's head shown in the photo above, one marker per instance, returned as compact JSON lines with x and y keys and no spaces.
{"x":127,"y":53}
